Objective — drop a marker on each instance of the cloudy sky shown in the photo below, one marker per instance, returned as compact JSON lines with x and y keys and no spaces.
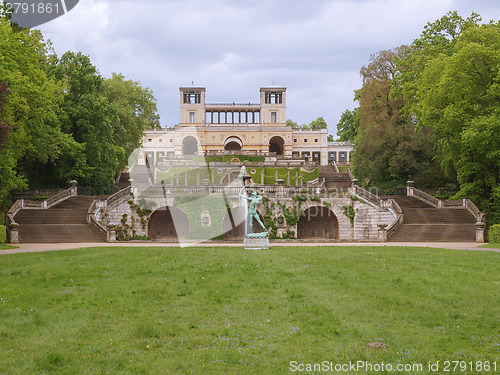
{"x":315,"y":48}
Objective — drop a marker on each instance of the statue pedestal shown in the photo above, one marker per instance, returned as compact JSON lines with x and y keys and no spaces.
{"x":256,"y":243}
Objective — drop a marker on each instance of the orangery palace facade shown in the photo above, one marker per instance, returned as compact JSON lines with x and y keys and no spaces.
{"x":214,"y":129}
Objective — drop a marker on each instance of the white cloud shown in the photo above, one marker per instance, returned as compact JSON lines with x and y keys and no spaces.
{"x":315,"y":47}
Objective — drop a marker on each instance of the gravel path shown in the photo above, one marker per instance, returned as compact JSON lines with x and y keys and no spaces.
{"x":39,"y":247}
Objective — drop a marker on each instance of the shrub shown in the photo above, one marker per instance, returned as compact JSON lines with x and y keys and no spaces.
{"x":3,"y":233}
{"x":494,"y":234}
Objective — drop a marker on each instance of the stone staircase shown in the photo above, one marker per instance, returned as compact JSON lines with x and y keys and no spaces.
{"x":334,"y":178}
{"x":424,"y":223}
{"x":64,"y":222}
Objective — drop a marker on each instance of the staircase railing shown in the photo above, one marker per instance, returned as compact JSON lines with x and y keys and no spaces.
{"x":120,"y":196}
{"x":370,"y":197}
{"x":393,"y":205}
{"x":13,"y":227}
{"x":466,"y":203}
{"x":91,"y":219}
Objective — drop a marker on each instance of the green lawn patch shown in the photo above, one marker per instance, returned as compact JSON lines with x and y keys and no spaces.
{"x":226,"y":310}
{"x":492,"y":245}
{"x":6,"y":247}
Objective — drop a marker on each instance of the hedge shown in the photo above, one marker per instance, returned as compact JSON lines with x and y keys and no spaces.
{"x":494,"y":234}
{"x":3,"y":233}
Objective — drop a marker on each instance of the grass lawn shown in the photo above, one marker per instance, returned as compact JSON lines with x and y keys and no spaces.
{"x":491,"y":245}
{"x":229,"y":311}
{"x":7,"y":247}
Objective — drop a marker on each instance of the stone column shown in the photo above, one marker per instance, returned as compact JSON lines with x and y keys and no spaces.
{"x":480,"y":226}
{"x":74,"y":189}
{"x":409,"y":188}
{"x":288,"y":179}
{"x":111,"y":235}
{"x":262,"y":177}
{"x":382,"y":232}
{"x":198,"y":177}
{"x":14,"y":232}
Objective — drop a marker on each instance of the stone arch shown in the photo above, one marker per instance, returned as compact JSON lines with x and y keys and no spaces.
{"x":233,"y":143}
{"x":168,"y":223}
{"x":318,"y":222}
{"x":190,"y":145}
{"x":276,"y":144}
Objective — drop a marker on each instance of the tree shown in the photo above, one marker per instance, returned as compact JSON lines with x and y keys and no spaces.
{"x":347,"y":128}
{"x":4,"y":128}
{"x":293,"y":124}
{"x":319,"y":123}
{"x":389,"y":149}
{"x":459,"y":96}
{"x":29,"y":110}
{"x":136,"y":110}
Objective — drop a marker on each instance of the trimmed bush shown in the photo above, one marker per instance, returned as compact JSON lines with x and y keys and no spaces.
{"x":494,"y":234}
{"x":3,"y":233}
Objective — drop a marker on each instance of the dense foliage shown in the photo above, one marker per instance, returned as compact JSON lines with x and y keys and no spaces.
{"x":429,"y":112}
{"x":60,"y":119}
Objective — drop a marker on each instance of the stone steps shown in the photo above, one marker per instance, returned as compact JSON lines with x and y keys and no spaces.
{"x":64,"y":222}
{"x":423,"y":223}
{"x":333,"y":178}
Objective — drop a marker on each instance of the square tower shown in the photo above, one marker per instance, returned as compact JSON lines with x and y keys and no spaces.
{"x":192,"y":106}
{"x":273,"y":106}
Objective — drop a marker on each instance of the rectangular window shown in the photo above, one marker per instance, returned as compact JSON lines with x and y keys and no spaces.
{"x":295,"y":140}
{"x":160,"y":140}
{"x":305,"y":140}
{"x":191,"y":117}
{"x":150,"y":139}
{"x":306,"y":155}
{"x":316,"y":156}
{"x":273,"y":117}
{"x":342,"y":156}
{"x":332,"y":156}
{"x":316,"y":140}
{"x":171,"y":140}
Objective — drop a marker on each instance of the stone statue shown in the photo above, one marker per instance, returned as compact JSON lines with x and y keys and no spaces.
{"x":254,"y":200}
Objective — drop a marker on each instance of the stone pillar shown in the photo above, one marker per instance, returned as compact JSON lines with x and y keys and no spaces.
{"x":409,"y":188}
{"x":276,"y":176}
{"x":262,"y":177}
{"x":382,"y":232}
{"x":288,"y":179}
{"x":480,"y":227}
{"x":185,"y":178}
{"x":14,"y":232}
{"x":111,"y":235}
{"x":213,"y":177}
{"x":198,"y":177}
{"x":296,"y":178}
{"x":74,"y":187}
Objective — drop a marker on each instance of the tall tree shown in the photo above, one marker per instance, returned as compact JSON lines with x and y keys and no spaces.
{"x":459,"y":96}
{"x":347,"y":128}
{"x":389,"y":149}
{"x":135,"y":108}
{"x":29,"y":109}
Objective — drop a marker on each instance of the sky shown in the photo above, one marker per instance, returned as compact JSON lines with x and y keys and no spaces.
{"x":314,"y":48}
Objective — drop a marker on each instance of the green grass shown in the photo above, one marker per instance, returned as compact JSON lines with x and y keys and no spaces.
{"x":492,"y":245}
{"x":226,"y":310}
{"x":6,"y":247}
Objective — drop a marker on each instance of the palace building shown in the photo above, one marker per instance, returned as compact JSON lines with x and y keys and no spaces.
{"x":260,"y":129}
